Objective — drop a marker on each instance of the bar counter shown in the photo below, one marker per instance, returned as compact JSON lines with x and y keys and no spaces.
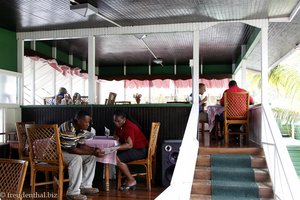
{"x":173,"y":118}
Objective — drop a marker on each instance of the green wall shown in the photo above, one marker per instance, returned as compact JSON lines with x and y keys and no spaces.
{"x":43,"y":48}
{"x":8,"y":50}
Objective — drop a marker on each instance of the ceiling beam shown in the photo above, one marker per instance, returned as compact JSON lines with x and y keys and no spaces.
{"x":128,"y":30}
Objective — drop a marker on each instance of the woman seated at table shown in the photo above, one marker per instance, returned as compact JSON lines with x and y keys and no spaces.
{"x":133,"y":146}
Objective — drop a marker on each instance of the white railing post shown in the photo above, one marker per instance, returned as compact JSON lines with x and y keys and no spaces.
{"x":281,"y":169}
{"x":195,"y":68}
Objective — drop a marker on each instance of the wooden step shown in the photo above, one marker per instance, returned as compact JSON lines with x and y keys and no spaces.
{"x":204,"y":173}
{"x":256,"y":161}
{"x":208,"y":197}
{"x":224,"y":150}
{"x":203,"y":187}
{"x":200,"y":197}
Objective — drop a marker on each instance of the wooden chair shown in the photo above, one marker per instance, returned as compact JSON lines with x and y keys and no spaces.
{"x":12,"y":141}
{"x":48,"y":100}
{"x":45,"y":154}
{"x":12,"y":176}
{"x":111,"y":99}
{"x":22,"y":139}
{"x":84,"y":99}
{"x":236,"y":111}
{"x":148,"y":162}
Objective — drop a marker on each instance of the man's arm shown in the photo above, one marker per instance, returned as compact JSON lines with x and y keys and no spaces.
{"x":83,"y":149}
{"x":203,"y":101}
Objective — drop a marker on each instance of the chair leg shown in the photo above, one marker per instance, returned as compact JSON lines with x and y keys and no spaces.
{"x":247,"y":134}
{"x":60,"y":184}
{"x":54,"y":183}
{"x":33,"y":181}
{"x":119,"y":179}
{"x":226,"y":133}
{"x":148,"y":178}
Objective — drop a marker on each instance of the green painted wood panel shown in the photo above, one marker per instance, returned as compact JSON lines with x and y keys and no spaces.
{"x":137,"y":70}
{"x":43,"y":48}
{"x":77,"y":62}
{"x":8,"y":50}
{"x":62,"y":56}
{"x":294,"y":152}
{"x":217,"y":69}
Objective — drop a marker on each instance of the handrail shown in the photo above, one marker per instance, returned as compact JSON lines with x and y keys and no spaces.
{"x":182,"y":179}
{"x":282,"y":172}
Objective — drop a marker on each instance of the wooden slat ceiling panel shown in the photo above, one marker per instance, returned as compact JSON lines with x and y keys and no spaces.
{"x":283,"y":37}
{"x":27,"y":15}
{"x":218,"y":45}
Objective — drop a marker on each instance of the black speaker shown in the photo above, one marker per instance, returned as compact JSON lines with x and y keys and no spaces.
{"x":170,"y":151}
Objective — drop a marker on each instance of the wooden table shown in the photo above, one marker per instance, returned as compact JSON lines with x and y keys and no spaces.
{"x":108,"y":159}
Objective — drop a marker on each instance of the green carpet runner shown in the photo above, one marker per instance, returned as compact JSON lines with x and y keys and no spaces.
{"x":232,"y":178}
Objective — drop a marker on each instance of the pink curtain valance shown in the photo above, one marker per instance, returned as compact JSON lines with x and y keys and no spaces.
{"x":64,"y":69}
{"x":158,"y":83}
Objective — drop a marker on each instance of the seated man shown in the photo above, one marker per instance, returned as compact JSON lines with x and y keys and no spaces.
{"x":79,"y":157}
{"x":233,"y":87}
{"x":202,"y":115}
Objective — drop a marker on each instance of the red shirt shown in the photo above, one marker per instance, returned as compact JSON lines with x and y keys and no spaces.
{"x":235,"y":89}
{"x":129,"y":129}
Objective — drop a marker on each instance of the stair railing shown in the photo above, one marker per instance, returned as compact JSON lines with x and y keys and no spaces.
{"x":286,"y":185}
{"x":183,"y":176}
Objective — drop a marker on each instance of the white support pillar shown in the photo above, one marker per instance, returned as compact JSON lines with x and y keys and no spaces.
{"x":243,"y":66}
{"x":149,"y":99}
{"x":20,"y":63}
{"x":91,"y":69}
{"x":233,"y":68}
{"x":195,"y":68}
{"x":84,"y":64}
{"x":71,"y":77}
{"x":54,"y":55}
{"x":70,"y":58}
{"x":264,"y":65}
{"x":33,"y":47}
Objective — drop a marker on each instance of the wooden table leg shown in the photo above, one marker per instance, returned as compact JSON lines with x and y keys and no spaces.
{"x":107,"y":174}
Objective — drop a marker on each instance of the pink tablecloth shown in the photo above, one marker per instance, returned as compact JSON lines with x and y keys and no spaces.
{"x":212,"y":111}
{"x":102,"y":142}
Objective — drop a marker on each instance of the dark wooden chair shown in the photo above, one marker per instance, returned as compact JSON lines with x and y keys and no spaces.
{"x":84,"y":99}
{"x":48,"y":100}
{"x":23,"y":147}
{"x":111,"y":99}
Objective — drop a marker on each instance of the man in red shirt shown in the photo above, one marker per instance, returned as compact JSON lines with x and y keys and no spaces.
{"x":133,"y":146}
{"x":233,"y":87}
